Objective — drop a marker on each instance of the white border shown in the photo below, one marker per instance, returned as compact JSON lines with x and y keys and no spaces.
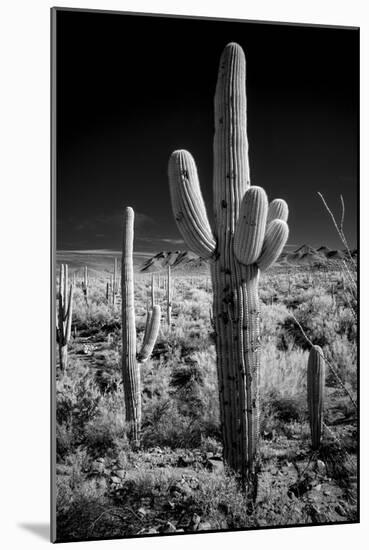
{"x":25,"y":184}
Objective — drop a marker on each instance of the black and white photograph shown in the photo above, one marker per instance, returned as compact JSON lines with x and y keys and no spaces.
{"x":205,"y":179}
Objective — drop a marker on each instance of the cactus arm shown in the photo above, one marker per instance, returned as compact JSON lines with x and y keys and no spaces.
{"x":278,"y":210}
{"x":275,"y":238}
{"x":315,"y":393}
{"x":148,"y":318}
{"x":250,"y":227}
{"x":231,"y":175}
{"x":188,"y":204}
{"x":151,"y":335}
{"x":147,"y":326}
{"x":65,"y":290}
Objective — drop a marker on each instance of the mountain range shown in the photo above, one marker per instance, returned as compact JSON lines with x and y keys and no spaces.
{"x":189,"y":262}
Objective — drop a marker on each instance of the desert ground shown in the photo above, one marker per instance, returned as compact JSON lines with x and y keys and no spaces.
{"x":177,"y":482}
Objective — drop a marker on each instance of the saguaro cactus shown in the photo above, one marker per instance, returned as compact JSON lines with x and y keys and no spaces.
{"x":247,"y":237}
{"x":85,"y":284}
{"x":64,"y":316}
{"x":315,"y":393}
{"x":115,"y":284}
{"x":169,"y":298}
{"x":130,"y":358}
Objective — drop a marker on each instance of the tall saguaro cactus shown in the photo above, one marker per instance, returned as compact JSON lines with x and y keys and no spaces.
{"x":130,"y":358}
{"x":315,"y":393}
{"x":248,"y":236}
{"x":64,"y":316}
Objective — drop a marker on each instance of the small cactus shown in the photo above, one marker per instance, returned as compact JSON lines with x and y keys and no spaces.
{"x":315,"y":393}
{"x":169,"y":298}
{"x":114,"y":283}
{"x":130,"y":358}
{"x":85,"y":284}
{"x":64,"y":316}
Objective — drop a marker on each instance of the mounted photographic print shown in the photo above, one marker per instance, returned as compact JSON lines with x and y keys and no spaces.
{"x":204,"y":276}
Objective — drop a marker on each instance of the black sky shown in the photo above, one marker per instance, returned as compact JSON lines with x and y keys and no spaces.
{"x":131,"y":89}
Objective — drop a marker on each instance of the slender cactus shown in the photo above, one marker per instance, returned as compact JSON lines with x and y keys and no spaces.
{"x":242,"y":243}
{"x":85,"y":284}
{"x":169,"y":298}
{"x":115,"y":283}
{"x":130,"y":358}
{"x":64,"y":316}
{"x":315,"y":393}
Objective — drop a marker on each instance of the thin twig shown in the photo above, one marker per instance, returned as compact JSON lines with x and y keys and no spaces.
{"x":339,"y":231}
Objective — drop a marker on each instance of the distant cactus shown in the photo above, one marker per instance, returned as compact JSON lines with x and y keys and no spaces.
{"x":169,"y":298}
{"x":130,"y":358}
{"x":114,"y":290}
{"x":315,"y":393}
{"x":64,"y":316}
{"x":85,"y":284}
{"x":248,"y":236}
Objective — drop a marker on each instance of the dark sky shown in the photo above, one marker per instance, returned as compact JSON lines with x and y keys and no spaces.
{"x":131,"y":89}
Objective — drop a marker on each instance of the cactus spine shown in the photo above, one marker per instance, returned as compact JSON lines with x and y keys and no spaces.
{"x":315,"y":393}
{"x":64,"y":316}
{"x":243,"y":242}
{"x":130,"y":358}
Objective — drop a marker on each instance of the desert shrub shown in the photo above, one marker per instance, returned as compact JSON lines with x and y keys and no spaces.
{"x":282,"y":374}
{"x":80,"y":503}
{"x":220,"y":502}
{"x":105,"y":434}
{"x":271,"y":322}
{"x":64,"y":441}
{"x":77,"y":401}
{"x":342,"y":354}
{"x":180,"y":400}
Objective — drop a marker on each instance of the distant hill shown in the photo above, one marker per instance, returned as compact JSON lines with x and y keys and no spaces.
{"x":179,"y":260}
{"x":307,"y":255}
{"x":188,"y":262}
{"x":100,"y":262}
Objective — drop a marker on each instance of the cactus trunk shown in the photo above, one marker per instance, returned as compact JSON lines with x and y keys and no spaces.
{"x":236,"y":318}
{"x":131,"y":378}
